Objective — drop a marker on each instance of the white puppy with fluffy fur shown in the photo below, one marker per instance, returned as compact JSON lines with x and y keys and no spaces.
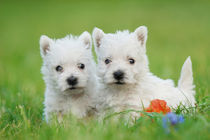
{"x":69,"y":74}
{"x":124,"y":73}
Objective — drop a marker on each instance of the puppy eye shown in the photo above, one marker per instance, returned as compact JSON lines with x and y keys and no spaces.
{"x":81,"y":66}
{"x":131,"y":61}
{"x":107,"y":61}
{"x":59,"y":68}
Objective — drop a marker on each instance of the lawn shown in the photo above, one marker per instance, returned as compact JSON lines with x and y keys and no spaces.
{"x":176,"y":30}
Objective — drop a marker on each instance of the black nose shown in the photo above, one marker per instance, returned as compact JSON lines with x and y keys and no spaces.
{"x":118,"y":75}
{"x":72,"y":81}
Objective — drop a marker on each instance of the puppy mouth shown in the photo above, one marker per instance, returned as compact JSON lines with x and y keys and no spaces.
{"x":72,"y":88}
{"x":119,"y":83}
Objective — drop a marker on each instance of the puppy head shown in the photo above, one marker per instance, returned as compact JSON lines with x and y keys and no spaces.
{"x":66,"y":62}
{"x":122,"y":56}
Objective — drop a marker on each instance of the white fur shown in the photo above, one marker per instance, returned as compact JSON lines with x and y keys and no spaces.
{"x":141,"y":86}
{"x":68,"y":52}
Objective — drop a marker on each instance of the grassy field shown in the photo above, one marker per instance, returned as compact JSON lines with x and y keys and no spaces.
{"x":176,"y":30}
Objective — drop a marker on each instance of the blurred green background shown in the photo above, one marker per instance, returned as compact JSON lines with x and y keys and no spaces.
{"x":177,"y":29}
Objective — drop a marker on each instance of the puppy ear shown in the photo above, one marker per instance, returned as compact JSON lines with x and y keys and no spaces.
{"x":85,"y":37}
{"x":97,"y":35}
{"x":45,"y":44}
{"x":141,"y":33}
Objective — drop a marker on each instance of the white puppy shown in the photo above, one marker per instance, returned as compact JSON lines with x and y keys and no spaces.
{"x":69,"y":74}
{"x":124,"y":73}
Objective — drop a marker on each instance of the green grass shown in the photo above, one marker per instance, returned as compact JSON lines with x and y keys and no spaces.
{"x":176,"y":30}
